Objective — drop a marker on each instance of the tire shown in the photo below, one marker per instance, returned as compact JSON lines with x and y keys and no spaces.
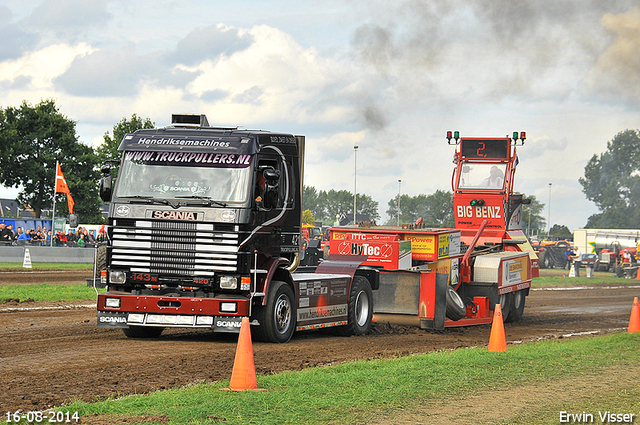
{"x":506,"y":300}
{"x":456,"y":309}
{"x":360,"y":314}
{"x":541,"y":260}
{"x":516,"y":309}
{"x":278,"y":318}
{"x":101,"y":259}
{"x":142,"y":331}
{"x":548,"y":261}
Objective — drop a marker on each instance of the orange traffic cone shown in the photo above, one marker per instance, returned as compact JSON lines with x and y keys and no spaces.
{"x":243,"y":376}
{"x":638,"y":274}
{"x":497,"y":341}
{"x":634,"y":320}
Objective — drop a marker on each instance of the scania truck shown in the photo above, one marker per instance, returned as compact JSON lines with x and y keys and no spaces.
{"x":204,"y":228}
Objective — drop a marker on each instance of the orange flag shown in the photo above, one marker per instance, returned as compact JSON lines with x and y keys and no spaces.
{"x":61,"y":187}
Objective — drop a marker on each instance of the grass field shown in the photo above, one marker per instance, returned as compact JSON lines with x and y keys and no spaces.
{"x":392,"y":391}
{"x":48,"y":292}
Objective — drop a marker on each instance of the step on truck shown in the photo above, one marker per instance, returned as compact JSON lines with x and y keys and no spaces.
{"x":204,"y":228}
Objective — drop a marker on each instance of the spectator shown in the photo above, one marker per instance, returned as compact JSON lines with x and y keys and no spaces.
{"x":71,"y":239}
{"x":102,"y":234}
{"x":81,"y":241}
{"x":6,"y":235}
{"x":25,"y":238}
{"x":62,"y":238}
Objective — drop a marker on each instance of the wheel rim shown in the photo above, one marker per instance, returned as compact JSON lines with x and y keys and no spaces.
{"x":503,"y":301}
{"x":362,"y":308}
{"x":282,"y":313}
{"x":518,"y":298}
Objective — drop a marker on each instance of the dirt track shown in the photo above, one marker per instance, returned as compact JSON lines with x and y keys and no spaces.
{"x":52,"y":353}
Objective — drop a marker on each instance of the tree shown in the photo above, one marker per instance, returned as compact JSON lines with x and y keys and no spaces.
{"x":108,"y":150}
{"x":32,"y":139}
{"x":612,"y":181}
{"x":307,"y":217}
{"x":532,"y":220}
{"x":560,"y":231}
{"x":436,"y":209}
{"x":326,"y":205}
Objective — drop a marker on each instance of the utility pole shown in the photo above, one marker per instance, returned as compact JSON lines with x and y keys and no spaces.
{"x":355,"y":190}
{"x":399,"y":186}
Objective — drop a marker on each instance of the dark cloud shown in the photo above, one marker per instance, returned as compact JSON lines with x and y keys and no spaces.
{"x":208,"y":43}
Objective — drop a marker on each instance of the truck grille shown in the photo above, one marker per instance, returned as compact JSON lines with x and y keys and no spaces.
{"x":173,"y":248}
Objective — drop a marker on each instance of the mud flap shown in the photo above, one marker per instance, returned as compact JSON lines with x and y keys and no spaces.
{"x":440,"y":304}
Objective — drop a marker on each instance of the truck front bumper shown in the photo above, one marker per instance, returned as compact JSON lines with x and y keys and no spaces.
{"x":116,"y":310}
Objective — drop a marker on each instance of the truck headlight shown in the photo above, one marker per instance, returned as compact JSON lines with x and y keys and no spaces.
{"x":112,"y":302}
{"x":117,"y":276}
{"x":228,"y":282}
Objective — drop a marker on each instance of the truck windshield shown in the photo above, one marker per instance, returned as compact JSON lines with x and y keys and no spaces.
{"x":219,"y":177}
{"x":482,"y":175}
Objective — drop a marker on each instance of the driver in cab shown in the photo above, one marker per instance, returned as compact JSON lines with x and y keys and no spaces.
{"x":495,"y":178}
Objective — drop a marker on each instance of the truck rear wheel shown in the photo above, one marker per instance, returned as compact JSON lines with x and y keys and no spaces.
{"x":360,"y":312}
{"x":142,"y":331}
{"x":516,"y":309}
{"x":456,"y":309}
{"x":277,"y":318}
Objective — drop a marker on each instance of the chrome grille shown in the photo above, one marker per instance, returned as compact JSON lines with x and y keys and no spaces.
{"x":173,"y":248}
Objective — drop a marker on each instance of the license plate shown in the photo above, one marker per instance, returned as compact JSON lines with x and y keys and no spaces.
{"x":145,"y":277}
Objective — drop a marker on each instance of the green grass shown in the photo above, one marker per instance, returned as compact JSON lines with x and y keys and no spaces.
{"x":48,"y":292}
{"x":48,"y":266}
{"x":362,"y":392}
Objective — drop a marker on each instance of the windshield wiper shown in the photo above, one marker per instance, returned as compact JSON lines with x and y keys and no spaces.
{"x":151,"y":200}
{"x":205,"y":199}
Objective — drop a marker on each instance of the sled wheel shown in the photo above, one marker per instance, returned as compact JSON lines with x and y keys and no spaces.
{"x":360,"y":313}
{"x":456,"y":309}
{"x":505,"y":304}
{"x":142,"y":331}
{"x":517,"y":307}
{"x":277,"y":318}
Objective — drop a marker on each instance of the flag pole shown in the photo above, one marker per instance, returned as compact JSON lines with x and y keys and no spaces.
{"x":53,"y":214}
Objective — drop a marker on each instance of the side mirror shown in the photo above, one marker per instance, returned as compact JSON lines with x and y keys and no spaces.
{"x":73,"y":220}
{"x":106,"y":187}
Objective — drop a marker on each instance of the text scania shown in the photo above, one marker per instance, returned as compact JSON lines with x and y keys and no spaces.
{"x":486,"y":211}
{"x":189,"y":157}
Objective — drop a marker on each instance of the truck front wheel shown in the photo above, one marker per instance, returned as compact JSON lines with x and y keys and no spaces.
{"x":277,"y":318}
{"x":360,"y":312}
{"x":142,"y":331}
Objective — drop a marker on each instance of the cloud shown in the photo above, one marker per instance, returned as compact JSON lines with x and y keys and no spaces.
{"x":68,"y":20}
{"x":15,"y":39}
{"x":109,"y":73}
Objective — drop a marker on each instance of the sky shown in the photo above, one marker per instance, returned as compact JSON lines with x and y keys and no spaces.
{"x":389,"y":77}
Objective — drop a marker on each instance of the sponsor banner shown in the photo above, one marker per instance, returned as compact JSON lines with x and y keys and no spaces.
{"x":515,"y":270}
{"x":393,"y":255}
{"x":200,"y":159}
{"x":339,"y":235}
{"x":227,"y":324}
{"x":448,"y":245}
{"x":112,"y":319}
